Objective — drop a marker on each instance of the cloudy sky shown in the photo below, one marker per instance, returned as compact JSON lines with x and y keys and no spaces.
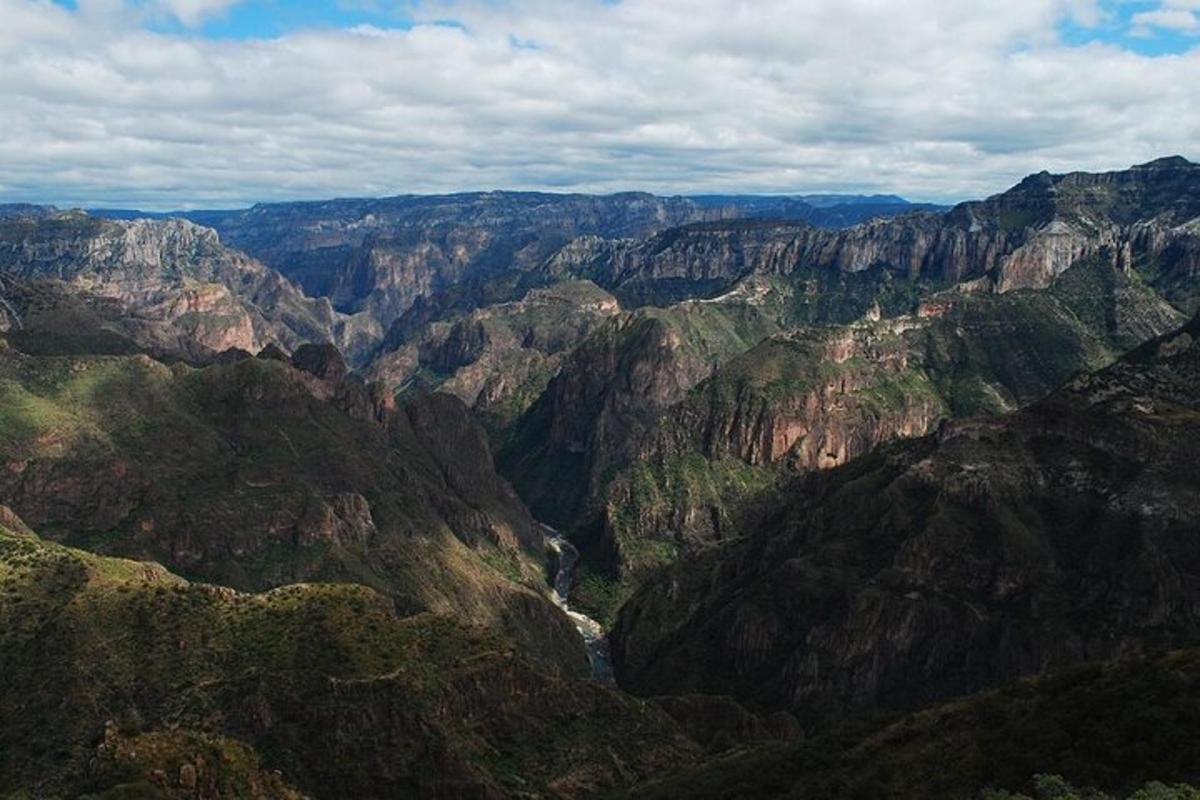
{"x":191,"y":103}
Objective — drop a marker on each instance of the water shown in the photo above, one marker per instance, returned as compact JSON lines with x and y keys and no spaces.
{"x":591,"y":631}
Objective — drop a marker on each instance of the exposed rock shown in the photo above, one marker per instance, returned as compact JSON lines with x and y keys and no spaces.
{"x":1141,"y":218}
{"x":167,"y":284}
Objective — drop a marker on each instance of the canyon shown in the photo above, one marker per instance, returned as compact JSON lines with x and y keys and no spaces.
{"x":515,"y":494}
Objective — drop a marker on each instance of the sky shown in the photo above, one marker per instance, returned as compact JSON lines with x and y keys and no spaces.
{"x":166,"y":104}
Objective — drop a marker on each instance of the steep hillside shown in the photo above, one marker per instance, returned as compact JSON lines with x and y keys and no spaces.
{"x":497,"y":359}
{"x":125,"y":680}
{"x":1113,"y":726}
{"x":996,"y":548}
{"x":610,"y":391}
{"x":258,"y":473}
{"x":818,"y":396}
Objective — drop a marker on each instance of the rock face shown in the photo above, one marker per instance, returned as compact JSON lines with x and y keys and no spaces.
{"x":384,"y":256}
{"x":812,"y":398}
{"x":168,"y":285}
{"x":1139,"y":219}
{"x":994,"y":549}
{"x":497,"y":359}
{"x":610,"y":391}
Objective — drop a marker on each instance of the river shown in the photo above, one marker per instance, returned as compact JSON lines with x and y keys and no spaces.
{"x":591,"y":631}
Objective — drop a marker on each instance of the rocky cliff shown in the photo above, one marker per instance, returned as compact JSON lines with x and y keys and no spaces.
{"x":1141,"y":219}
{"x":996,"y":548}
{"x":169,"y":285}
{"x":610,"y":391}
{"x":497,"y":359}
{"x":385,"y":255}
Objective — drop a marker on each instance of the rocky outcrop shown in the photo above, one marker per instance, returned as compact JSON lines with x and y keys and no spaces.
{"x":496,"y":359}
{"x":609,"y":393}
{"x":819,"y":396}
{"x":384,"y":255}
{"x":1138,"y":219}
{"x":168,"y":285}
{"x":997,"y":548}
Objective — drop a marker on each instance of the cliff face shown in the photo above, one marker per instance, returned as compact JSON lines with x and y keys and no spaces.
{"x":382,"y":256}
{"x":499,"y":358}
{"x":997,"y":548}
{"x":1138,"y":219}
{"x":385,"y":256}
{"x":609,"y":392}
{"x":817,"y":396}
{"x":168,"y":285}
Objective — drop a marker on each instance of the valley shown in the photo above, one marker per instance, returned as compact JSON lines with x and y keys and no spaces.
{"x":529,"y":495}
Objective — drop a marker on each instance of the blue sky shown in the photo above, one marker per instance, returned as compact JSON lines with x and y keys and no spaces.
{"x":251,"y":19}
{"x":184,"y":103}
{"x":1120,"y":26}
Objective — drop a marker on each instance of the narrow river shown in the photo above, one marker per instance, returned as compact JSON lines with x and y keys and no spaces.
{"x":589,"y":629}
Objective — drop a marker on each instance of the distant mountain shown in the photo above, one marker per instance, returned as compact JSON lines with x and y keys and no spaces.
{"x":168,"y":286}
{"x":822,"y":210}
{"x":25,"y":210}
{"x":1141,"y":219}
{"x":358,"y":252}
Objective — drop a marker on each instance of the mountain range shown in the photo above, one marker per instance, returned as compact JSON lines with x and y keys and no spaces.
{"x":872,"y":499}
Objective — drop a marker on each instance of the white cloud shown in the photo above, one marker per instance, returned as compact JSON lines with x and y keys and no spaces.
{"x":925,"y":98}
{"x":193,"y":12}
{"x":1176,"y":19}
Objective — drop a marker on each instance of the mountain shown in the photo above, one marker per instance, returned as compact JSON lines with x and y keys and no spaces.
{"x":9,"y":210}
{"x":853,"y":483}
{"x":658,"y":458}
{"x":822,"y":210}
{"x":996,"y":548}
{"x":254,"y":473}
{"x":1115,"y":725}
{"x":381,"y":256}
{"x":815,"y":397}
{"x":168,"y":285}
{"x":384,"y":255}
{"x":1141,"y":220}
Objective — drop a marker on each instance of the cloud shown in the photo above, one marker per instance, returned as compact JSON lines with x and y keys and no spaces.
{"x":924,"y":98}
{"x":1178,"y":16}
{"x":193,"y":12}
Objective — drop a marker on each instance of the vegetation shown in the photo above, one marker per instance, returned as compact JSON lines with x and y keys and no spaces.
{"x":163,"y":672}
{"x":1113,"y":726}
